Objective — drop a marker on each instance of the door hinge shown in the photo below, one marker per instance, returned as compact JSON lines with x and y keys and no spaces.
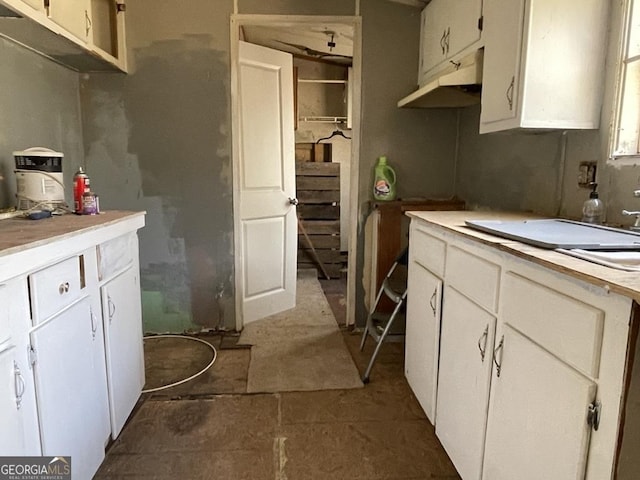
{"x":594,"y":411}
{"x":121,"y":7}
{"x":33,"y":355}
{"x":481,"y":23}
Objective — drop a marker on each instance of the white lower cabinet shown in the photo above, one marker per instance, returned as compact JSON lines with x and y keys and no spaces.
{"x":422,"y":337}
{"x":71,"y":388}
{"x":538,"y":414}
{"x":463,"y":381}
{"x":124,"y":352}
{"x":532,"y":364}
{"x":55,"y":399}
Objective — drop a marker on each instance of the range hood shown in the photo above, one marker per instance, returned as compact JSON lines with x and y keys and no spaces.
{"x":456,"y":86}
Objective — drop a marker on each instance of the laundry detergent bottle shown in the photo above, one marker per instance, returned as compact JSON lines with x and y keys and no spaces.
{"x":384,"y":182}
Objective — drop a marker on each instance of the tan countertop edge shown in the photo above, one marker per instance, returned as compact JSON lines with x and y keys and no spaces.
{"x":617,"y":281}
{"x":19,"y":234}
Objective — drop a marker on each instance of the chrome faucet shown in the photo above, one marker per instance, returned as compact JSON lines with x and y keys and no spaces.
{"x":636,"y":225}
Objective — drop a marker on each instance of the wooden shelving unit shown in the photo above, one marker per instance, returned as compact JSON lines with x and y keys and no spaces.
{"x":318,"y":191}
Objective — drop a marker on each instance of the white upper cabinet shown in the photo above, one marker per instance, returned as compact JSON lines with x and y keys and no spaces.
{"x":85,"y":35}
{"x":72,"y":15}
{"x":543,"y":64}
{"x":449,"y":28}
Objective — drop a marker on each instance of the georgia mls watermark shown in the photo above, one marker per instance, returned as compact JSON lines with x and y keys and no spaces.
{"x":35,"y":468}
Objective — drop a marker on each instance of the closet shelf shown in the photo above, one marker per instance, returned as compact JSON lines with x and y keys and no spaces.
{"x":311,"y":80}
{"x":320,"y":119}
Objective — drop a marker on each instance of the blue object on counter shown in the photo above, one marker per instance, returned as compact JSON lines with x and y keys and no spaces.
{"x":39,"y":214}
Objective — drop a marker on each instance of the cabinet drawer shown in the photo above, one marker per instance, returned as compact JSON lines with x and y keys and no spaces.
{"x":565,"y":326}
{"x":474,"y":276}
{"x":55,"y":287}
{"x":427,"y":250}
{"x":115,"y":255}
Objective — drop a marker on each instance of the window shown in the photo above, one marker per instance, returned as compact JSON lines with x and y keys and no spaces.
{"x":626,"y":138}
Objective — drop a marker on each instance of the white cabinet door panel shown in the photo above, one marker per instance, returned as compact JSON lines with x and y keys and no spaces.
{"x":464,"y":15}
{"x":435,"y":23}
{"x":504,"y":23}
{"x":72,"y":15}
{"x":463,"y":381}
{"x":448,"y":28}
{"x":423,"y":336}
{"x":70,"y":389}
{"x":16,"y":386}
{"x":537,"y":424}
{"x":123,"y":339}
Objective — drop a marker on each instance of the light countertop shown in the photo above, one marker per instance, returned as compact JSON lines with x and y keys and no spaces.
{"x":20,"y":234}
{"x":618,"y":281}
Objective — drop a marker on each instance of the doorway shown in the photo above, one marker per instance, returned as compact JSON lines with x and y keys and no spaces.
{"x":326,"y":53}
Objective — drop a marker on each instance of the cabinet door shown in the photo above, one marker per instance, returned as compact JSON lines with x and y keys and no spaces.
{"x":72,"y":15}
{"x":503,"y":30}
{"x":463,"y":381}
{"x":19,"y":433}
{"x":435,"y":20}
{"x":14,"y":385}
{"x":538,"y":415}
{"x":123,"y":339}
{"x":37,"y":4}
{"x":104,"y":26}
{"x":423,"y":336}
{"x":463,"y":30}
{"x":70,"y":388}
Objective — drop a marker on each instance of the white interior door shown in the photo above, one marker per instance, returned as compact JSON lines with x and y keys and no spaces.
{"x":268,"y":230}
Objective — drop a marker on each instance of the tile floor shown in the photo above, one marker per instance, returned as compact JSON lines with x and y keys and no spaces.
{"x":210,"y":428}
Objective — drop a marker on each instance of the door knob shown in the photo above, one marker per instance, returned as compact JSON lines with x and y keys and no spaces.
{"x":293,"y":201}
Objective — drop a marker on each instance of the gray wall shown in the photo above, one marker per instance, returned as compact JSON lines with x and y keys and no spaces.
{"x":520,"y":170}
{"x":159,"y":139}
{"x":40,"y":108}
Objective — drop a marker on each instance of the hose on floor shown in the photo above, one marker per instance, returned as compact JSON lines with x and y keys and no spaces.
{"x":180,"y":382}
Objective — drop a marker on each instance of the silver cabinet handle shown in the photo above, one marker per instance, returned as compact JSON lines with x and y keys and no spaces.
{"x":293,"y":201}
{"x":446,"y":39}
{"x":432,"y":300}
{"x":497,"y":351}
{"x":112,"y":308}
{"x":482,"y":342}
{"x":510,"y":92}
{"x":18,"y":383}
{"x":87,"y":22}
{"x":63,"y":288}
{"x":94,"y":323}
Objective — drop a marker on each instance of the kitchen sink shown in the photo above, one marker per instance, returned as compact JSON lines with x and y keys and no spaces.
{"x":621,"y":260}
